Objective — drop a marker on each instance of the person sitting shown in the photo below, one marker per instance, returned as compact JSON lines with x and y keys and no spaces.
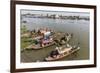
{"x":54,"y":53}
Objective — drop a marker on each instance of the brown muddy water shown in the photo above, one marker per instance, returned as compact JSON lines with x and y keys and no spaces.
{"x":80,"y":29}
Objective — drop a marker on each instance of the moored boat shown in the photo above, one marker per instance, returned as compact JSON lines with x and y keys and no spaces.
{"x":63,"y":52}
{"x":38,"y":46}
{"x":45,"y":38}
{"x":42,"y":40}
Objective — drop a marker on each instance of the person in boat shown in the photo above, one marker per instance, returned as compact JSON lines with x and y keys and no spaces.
{"x":41,"y":42}
{"x":54,"y":53}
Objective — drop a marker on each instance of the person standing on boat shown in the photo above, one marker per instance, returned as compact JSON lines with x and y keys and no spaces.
{"x":41,"y":42}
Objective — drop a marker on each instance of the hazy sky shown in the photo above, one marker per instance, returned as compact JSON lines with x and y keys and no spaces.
{"x":55,"y":12}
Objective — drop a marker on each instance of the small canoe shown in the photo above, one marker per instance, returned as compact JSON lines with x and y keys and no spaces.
{"x":60,"y":56}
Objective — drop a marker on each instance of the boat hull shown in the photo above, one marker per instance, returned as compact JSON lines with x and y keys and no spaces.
{"x":61,"y":55}
{"x":36,"y":47}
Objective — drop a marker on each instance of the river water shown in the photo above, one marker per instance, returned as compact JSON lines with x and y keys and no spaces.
{"x":80,"y":29}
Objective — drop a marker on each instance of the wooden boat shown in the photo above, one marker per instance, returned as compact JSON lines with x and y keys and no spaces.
{"x":39,"y":37}
{"x":66,"y":52}
{"x":38,"y":46}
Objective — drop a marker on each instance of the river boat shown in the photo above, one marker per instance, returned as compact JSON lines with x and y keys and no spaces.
{"x":63,"y":52}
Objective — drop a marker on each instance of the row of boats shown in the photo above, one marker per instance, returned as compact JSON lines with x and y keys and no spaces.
{"x":46,"y":38}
